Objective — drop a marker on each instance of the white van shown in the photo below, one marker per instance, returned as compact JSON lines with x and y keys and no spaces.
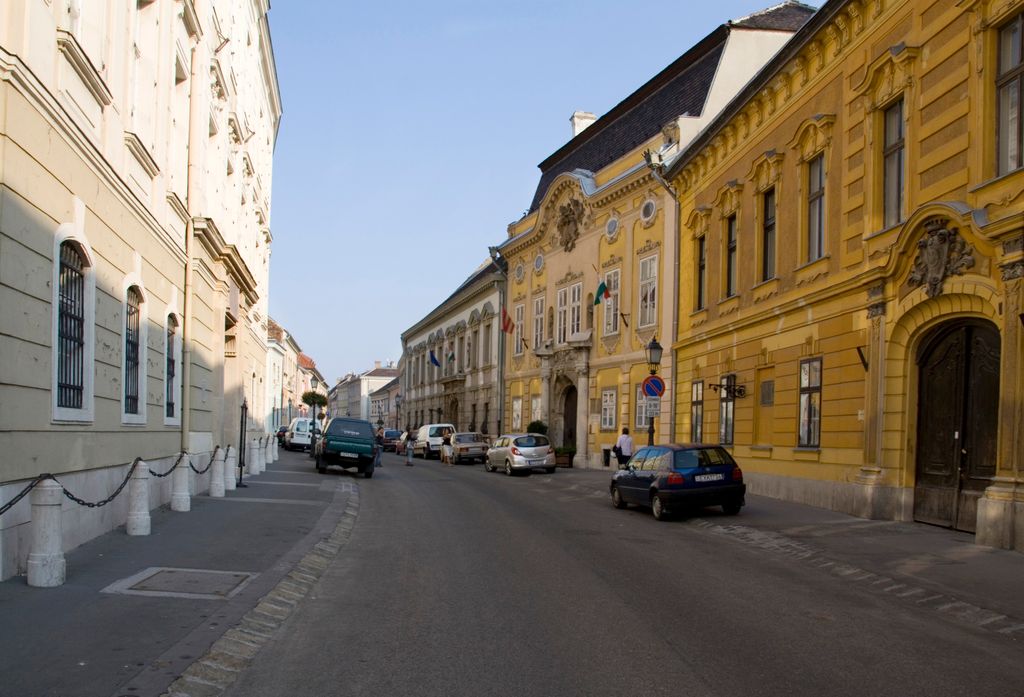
{"x":428,"y":440}
{"x":297,"y":436}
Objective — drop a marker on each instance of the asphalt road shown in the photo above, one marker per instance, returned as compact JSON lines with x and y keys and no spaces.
{"x":460,"y":582}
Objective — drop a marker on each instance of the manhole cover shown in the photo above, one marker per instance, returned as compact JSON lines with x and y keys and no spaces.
{"x":182,"y":583}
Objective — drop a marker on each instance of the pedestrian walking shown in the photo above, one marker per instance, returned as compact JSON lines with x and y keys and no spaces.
{"x":379,"y":438}
{"x":624,"y":447}
{"x":446,"y":446}
{"x":410,"y":439}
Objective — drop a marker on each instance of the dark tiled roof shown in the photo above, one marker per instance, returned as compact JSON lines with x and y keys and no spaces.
{"x":788,"y":16}
{"x":681,"y":88}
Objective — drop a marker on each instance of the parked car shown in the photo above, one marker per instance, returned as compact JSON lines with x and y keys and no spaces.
{"x":349,"y":443}
{"x":521,"y":452}
{"x":281,"y":430}
{"x":297,"y":437}
{"x":428,"y":440}
{"x":671,"y":477}
{"x":391,"y":436}
{"x":470,"y":446}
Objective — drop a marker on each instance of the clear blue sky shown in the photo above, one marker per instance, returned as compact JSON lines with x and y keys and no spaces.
{"x":411,"y":136}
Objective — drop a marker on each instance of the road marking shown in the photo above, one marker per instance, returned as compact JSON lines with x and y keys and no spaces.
{"x":292,"y":502}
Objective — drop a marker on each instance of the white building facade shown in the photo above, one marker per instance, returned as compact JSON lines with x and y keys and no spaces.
{"x":136,"y":148}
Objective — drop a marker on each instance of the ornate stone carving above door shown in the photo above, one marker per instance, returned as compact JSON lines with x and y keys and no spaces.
{"x":942,"y":253}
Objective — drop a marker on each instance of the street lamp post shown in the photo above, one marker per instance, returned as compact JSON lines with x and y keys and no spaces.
{"x":241,"y":443}
{"x":313,"y":408}
{"x":653,"y":351}
{"x":398,"y":409}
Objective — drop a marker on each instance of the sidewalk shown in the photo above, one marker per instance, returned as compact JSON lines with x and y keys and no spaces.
{"x":918,"y":563}
{"x":80,"y":640}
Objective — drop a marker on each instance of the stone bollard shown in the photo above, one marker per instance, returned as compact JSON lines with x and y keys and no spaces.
{"x":138,"y":500}
{"x":217,"y":475}
{"x":180,"y":500}
{"x":269,"y":456}
{"x":230,"y":467}
{"x":260,"y":464}
{"x":277,"y":454}
{"x":46,"y":565}
{"x":250,"y":458}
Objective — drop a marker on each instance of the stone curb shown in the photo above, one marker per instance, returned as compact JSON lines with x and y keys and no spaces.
{"x":212,"y":674}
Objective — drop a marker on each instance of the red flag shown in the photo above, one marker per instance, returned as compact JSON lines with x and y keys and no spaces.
{"x":507,"y":325}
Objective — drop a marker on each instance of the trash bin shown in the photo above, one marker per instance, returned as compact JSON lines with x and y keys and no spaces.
{"x":606,"y":456}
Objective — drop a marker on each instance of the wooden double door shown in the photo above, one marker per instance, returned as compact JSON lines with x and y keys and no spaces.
{"x":957,"y":422}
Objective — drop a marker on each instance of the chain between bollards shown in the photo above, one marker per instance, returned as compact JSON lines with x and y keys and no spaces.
{"x":208,"y":464}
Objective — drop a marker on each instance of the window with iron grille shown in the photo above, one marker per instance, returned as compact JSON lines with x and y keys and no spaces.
{"x":727,"y":410}
{"x":131,"y":351}
{"x":71,"y":328}
{"x":697,"y":411}
{"x":169,"y":382}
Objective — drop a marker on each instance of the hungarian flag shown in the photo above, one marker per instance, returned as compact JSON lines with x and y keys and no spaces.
{"x":451,"y":356}
{"x":507,"y":325}
{"x":602,"y":293}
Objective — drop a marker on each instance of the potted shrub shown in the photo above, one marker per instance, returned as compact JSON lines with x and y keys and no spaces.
{"x":564,"y":455}
{"x":537,"y":427}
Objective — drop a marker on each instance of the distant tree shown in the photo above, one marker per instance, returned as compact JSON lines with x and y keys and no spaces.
{"x":312,"y":399}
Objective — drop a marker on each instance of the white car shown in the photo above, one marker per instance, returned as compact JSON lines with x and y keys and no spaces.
{"x":521,"y":452}
{"x":297,"y":437}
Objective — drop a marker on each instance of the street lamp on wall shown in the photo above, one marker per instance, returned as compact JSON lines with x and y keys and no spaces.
{"x":398,"y":409}
{"x":653,"y":351}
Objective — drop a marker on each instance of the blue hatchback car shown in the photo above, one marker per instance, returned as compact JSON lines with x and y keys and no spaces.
{"x":671,"y":477}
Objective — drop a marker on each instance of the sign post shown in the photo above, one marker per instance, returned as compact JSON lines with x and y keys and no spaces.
{"x":653,"y":388}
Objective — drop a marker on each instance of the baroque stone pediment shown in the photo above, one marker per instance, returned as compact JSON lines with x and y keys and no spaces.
{"x":942,"y":252}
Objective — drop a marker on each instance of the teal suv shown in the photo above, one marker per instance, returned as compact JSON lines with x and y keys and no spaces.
{"x":348,"y":443}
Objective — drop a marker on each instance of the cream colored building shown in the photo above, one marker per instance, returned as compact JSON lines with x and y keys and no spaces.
{"x":452,"y":358}
{"x":136,"y":146}
{"x":601,"y":219}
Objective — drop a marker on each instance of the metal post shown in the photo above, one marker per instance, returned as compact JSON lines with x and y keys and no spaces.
{"x":650,"y":430}
{"x":241,"y":444}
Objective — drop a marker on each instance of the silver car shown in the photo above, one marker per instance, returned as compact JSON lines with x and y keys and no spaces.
{"x":468,"y":446}
{"x":521,"y":452}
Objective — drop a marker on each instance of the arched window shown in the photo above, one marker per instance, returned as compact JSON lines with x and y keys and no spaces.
{"x":71,"y":328}
{"x":132,"y":350}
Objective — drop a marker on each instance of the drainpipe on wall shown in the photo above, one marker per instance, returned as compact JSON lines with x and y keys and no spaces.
{"x":657,"y":170}
{"x":500,"y":264}
{"x":191,"y":184}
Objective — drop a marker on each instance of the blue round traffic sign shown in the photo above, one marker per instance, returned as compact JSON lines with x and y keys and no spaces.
{"x":653,"y":386}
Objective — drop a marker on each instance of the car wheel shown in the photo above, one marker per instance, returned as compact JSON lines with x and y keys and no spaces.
{"x":617,"y":500}
{"x":731,"y":508}
{"x":658,"y":508}
{"x":488,"y":466}
{"x":508,"y":468}
{"x":368,"y":472}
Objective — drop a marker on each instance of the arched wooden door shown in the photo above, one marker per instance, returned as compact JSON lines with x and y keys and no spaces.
{"x":957,"y":422}
{"x":569,"y":418}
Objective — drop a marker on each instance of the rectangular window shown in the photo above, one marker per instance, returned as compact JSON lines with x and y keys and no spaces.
{"x":892,"y":167}
{"x":697,"y":412}
{"x":640,"y":420}
{"x":131,"y":351}
{"x":474,"y":358}
{"x":768,"y":235}
{"x":575,"y":308}
{"x":486,"y":357}
{"x":71,"y":329}
{"x":726,"y":409}
{"x":648,"y":291}
{"x":171,"y":367}
{"x":563,"y":314}
{"x":810,"y":403}
{"x":517,"y":336}
{"x":535,"y":414}
{"x":611,"y":303}
{"x":730,"y":257}
{"x":517,"y":413}
{"x":816,"y":208}
{"x":538,"y":322}
{"x":702,"y":268}
{"x":1008,"y":86}
{"x":608,"y":410}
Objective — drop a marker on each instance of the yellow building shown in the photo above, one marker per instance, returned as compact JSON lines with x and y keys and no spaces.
{"x":852,"y":251}
{"x":602,"y":221}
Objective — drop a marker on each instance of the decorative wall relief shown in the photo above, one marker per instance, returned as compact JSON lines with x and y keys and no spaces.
{"x":942,"y":253}
{"x":570,"y":219}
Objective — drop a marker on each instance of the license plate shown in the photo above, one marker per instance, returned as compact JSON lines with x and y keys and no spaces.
{"x":536,"y":462}
{"x":352,"y":455}
{"x":708,"y":477}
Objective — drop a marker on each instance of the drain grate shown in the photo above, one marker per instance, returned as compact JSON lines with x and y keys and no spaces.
{"x":167,"y":582}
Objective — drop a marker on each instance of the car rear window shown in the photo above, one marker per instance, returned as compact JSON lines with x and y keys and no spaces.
{"x":300,"y":427}
{"x":531,"y":441}
{"x":468,"y":438}
{"x":686,"y":459}
{"x":358,"y":429}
